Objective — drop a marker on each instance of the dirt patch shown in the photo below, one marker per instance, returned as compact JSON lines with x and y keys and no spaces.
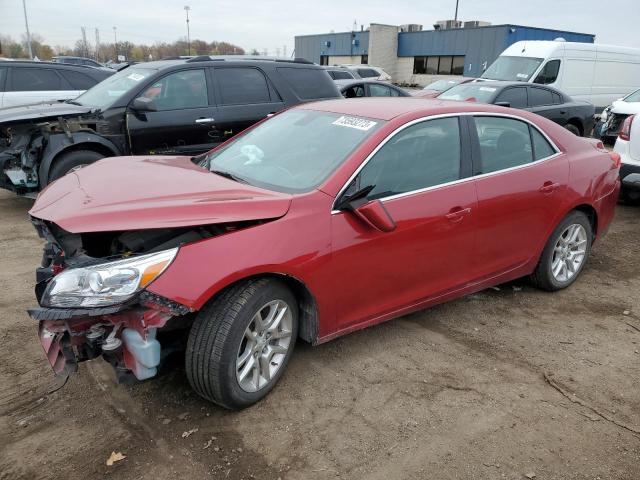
{"x":458,"y":391}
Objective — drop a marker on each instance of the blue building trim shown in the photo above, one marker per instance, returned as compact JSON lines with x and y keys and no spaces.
{"x":312,"y":47}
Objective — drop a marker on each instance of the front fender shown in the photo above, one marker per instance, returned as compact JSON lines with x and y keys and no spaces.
{"x":58,"y":143}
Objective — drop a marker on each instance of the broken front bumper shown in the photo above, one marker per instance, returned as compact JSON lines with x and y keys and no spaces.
{"x":125,"y":336}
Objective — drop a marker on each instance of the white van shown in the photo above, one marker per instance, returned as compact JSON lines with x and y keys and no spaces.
{"x":596,"y":73}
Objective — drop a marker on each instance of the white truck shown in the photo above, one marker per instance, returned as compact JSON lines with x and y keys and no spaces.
{"x":596,"y":73}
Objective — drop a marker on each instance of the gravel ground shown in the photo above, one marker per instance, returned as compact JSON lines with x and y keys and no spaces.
{"x":508,"y":383}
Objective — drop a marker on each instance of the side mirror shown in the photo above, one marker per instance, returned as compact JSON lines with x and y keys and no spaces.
{"x":371,"y":212}
{"x":374,"y":214}
{"x":503,"y":104}
{"x":144,"y":104}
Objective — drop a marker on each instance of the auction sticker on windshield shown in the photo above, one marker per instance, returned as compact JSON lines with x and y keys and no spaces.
{"x":355,"y":122}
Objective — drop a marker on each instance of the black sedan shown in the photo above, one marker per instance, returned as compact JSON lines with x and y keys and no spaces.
{"x":369,"y":88}
{"x":575,"y":116}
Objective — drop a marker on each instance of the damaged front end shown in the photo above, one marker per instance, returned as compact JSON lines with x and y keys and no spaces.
{"x":26,"y":145}
{"x":93,"y":300}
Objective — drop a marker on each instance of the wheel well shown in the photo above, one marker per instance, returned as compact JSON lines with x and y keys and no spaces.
{"x":308,"y":315}
{"x":591,"y":214}
{"x":94,"y":147}
{"x":578,"y":124}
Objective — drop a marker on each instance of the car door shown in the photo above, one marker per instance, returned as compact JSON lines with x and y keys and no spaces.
{"x":184,"y":118}
{"x":542,"y":102}
{"x":244,"y":96}
{"x":422,"y":177}
{"x":35,"y":84}
{"x":514,"y":97}
{"x":520,"y":179}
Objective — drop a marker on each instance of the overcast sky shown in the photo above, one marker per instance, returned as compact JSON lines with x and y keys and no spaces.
{"x":272,"y":24}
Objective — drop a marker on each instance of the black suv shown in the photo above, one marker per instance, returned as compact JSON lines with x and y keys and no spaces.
{"x":181,"y":106}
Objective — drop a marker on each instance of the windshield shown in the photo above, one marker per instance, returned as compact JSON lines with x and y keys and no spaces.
{"x":514,"y":69}
{"x":105,"y":93}
{"x":472,"y":92}
{"x":442,"y":85}
{"x":633,"y":97}
{"x":294,"y":151}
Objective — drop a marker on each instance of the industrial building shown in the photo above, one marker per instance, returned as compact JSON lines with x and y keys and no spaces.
{"x":412,"y":55}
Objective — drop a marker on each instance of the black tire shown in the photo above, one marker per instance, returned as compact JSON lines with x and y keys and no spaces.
{"x":70,"y":160}
{"x":573,"y":129}
{"x":542,"y":277}
{"x":216,"y":336}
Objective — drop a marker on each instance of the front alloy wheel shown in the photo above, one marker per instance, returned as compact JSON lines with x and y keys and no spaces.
{"x":264,"y":346}
{"x":241,"y":342}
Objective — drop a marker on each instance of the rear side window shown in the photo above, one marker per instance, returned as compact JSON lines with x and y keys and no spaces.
{"x":557,"y":99}
{"x":516,"y":97}
{"x":79,"y":81}
{"x":3,"y":76}
{"x":541,"y":146}
{"x":242,"y":86}
{"x":35,"y":80}
{"x":340,"y":75}
{"x":504,"y":143}
{"x":367,"y":73}
{"x":380,"y":91}
{"x":420,"y":156}
{"x":549,"y":73}
{"x":540,"y":96}
{"x":309,"y":83}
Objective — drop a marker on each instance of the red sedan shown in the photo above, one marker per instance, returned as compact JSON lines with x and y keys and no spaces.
{"x":324,"y":219}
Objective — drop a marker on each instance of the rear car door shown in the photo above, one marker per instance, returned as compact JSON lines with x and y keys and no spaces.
{"x":35,"y":84}
{"x":244,"y":96}
{"x":183,"y":122}
{"x":422,"y":177}
{"x":543,"y":102}
{"x":520,"y":180}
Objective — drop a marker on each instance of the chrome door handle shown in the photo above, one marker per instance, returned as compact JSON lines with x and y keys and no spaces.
{"x":205,"y":120}
{"x":456,"y":214}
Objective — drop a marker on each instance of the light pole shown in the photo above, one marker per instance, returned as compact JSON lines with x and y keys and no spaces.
{"x":26,"y":23}
{"x":186,"y":9}
{"x":115,"y":43}
{"x":455,"y":18}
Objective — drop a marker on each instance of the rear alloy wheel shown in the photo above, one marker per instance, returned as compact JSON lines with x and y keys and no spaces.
{"x":240,"y":344}
{"x":565,"y":253}
{"x":72,"y":161}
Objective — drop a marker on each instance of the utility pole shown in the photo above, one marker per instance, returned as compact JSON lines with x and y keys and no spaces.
{"x":26,"y":23}
{"x":115,"y":43}
{"x":455,"y":18}
{"x":186,"y":9}
{"x":85,"y":46}
{"x":97,"y":45}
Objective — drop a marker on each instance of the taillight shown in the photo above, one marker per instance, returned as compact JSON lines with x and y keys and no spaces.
{"x":625,"y":130}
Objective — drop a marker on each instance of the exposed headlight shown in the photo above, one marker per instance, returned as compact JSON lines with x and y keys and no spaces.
{"x":107,"y":283}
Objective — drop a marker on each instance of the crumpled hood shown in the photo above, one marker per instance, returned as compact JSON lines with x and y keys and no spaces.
{"x":39,"y":111}
{"x":625,"y":108}
{"x":134,"y":193}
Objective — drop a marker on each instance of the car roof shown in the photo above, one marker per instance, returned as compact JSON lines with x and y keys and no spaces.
{"x":388,"y":108}
{"x":354,"y":81}
{"x":234,"y":60}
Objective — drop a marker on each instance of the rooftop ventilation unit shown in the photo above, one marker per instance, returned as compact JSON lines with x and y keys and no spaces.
{"x":447,"y":24}
{"x":411,"y":27}
{"x":476,"y":23}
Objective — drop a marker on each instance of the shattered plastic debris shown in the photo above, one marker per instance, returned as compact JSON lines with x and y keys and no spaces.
{"x":115,"y":457}
{"x":189,"y":432}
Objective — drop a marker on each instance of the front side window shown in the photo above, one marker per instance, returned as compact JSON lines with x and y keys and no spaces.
{"x":294,"y":151}
{"x":183,"y":89}
{"x":420,"y":156}
{"x":504,"y":143}
{"x":242,"y":86}
{"x":340,"y":75}
{"x":35,"y":80}
{"x":512,"y":68}
{"x":355,"y":91}
{"x":549,"y":73}
{"x":515,"y":97}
